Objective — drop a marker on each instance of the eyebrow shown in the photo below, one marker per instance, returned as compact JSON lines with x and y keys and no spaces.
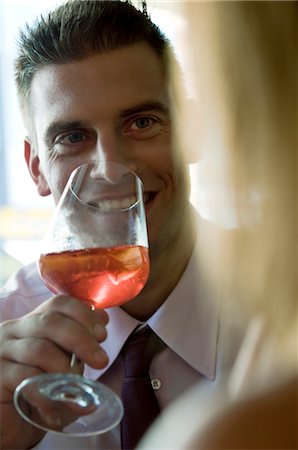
{"x":146,"y":106}
{"x":63,"y":126}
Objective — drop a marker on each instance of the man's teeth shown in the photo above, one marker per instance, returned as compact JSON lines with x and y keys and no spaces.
{"x":110,"y":205}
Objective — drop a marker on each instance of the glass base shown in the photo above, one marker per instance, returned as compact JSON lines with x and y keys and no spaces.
{"x":68,"y":404}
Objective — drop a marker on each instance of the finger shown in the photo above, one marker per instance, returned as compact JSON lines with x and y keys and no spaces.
{"x":39,"y":353}
{"x":52,"y":403}
{"x":93,"y":321}
{"x":41,"y":410}
{"x":58,"y":330}
{"x":12,"y":374}
{"x":78,"y":311}
{"x":71,"y":336}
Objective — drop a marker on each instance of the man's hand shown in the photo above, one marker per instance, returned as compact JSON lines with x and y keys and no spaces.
{"x":42,"y":342}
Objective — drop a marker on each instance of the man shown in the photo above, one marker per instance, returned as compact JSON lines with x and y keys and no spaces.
{"x":92,"y":80}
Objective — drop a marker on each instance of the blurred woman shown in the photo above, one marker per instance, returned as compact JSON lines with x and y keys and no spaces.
{"x":241,"y":66}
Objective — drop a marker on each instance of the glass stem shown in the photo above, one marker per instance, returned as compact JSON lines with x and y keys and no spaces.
{"x":73,"y":360}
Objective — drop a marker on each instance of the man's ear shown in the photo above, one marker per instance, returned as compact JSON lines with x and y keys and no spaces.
{"x":35,"y":170}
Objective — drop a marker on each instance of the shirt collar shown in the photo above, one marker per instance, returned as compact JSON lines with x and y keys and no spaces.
{"x":187,"y":322}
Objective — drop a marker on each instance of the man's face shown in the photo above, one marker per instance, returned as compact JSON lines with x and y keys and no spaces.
{"x":111,"y":106}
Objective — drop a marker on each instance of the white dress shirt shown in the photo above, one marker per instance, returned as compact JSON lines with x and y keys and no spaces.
{"x":188,"y":323}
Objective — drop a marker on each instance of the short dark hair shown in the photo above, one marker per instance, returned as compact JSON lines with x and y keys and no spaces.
{"x":80,"y":28}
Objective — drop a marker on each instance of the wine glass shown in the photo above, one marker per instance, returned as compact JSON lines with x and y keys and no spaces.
{"x":96,"y":249}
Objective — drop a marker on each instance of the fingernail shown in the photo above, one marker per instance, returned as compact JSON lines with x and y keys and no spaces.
{"x":101,"y":357}
{"x":99,"y":331}
{"x":51,"y":421}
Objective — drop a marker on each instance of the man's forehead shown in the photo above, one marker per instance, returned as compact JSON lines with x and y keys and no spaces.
{"x":137,"y":62}
{"x":123,"y":71}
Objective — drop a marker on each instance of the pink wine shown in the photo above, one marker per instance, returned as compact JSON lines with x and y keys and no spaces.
{"x":104,"y":277}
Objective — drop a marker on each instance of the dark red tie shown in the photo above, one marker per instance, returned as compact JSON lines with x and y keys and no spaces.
{"x":139,"y":401}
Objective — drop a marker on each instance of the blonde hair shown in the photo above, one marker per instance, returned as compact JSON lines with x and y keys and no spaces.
{"x":242,"y":63}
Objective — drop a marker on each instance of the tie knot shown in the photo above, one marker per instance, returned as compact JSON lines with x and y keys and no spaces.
{"x":138,"y":352}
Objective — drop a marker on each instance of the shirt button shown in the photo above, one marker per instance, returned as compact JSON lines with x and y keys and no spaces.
{"x":156,"y":384}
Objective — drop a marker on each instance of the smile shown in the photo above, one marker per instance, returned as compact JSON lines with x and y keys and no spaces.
{"x":107,"y":205}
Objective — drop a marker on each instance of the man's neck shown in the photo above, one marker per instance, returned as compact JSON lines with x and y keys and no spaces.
{"x":164,"y":275}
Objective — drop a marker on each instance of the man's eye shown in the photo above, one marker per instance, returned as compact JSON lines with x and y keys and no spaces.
{"x":71,"y":138}
{"x":143,"y":122}
{"x":74,"y":138}
{"x":142,"y":127}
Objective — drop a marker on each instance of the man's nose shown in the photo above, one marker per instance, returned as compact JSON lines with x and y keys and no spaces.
{"x":108,"y":171}
{"x":108,"y":149}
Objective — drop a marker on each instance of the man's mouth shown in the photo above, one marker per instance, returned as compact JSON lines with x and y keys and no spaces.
{"x":114,"y":204}
{"x":107,"y":205}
